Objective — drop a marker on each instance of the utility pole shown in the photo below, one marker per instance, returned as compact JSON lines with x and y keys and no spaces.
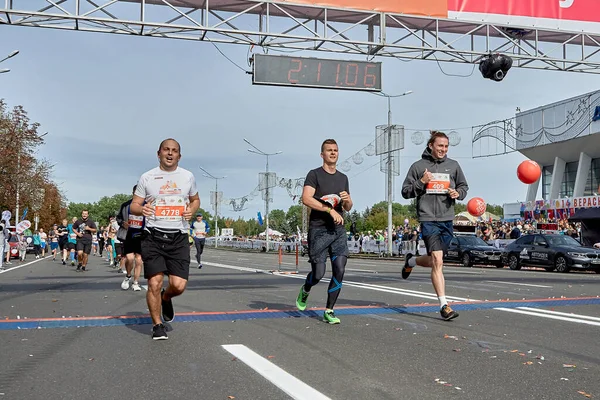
{"x":389,"y":170}
{"x":258,"y":151}
{"x":216,"y":201}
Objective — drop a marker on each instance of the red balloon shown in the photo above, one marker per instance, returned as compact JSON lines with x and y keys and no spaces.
{"x":529,"y":172}
{"x":476,"y":206}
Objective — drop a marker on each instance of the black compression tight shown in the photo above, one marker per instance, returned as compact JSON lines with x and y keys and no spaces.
{"x":338,"y":267}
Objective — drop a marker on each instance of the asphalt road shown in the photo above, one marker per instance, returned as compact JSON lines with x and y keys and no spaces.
{"x":520,"y":334}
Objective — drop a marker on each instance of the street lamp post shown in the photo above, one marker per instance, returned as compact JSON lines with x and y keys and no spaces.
{"x":256,"y":150}
{"x":390,"y":180}
{"x":11,"y":55}
{"x":216,"y":201}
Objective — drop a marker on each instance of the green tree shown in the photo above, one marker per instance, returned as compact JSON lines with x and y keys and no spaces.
{"x":376,"y":221}
{"x":294,"y":217}
{"x":19,"y":166}
{"x":278,"y":222}
{"x":240,"y":227}
{"x":496,"y":210}
{"x":459,"y":207}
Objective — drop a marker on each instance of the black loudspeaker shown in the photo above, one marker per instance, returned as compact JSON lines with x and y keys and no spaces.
{"x":495,"y":66}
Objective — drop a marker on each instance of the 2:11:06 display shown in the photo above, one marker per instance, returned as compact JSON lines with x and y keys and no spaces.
{"x":318,"y":73}
{"x":333,"y":73}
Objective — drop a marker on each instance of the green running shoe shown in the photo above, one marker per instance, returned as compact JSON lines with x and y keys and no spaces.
{"x":329,"y":317}
{"x":301,"y":299}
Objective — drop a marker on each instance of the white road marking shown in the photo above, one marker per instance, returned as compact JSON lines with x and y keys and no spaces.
{"x":582,"y":319}
{"x":543,"y":315}
{"x":22,"y":265}
{"x":245,"y":269}
{"x":520,"y":284}
{"x":360,"y":270}
{"x":291,"y":385}
{"x":386,"y":289}
{"x":571,"y":315}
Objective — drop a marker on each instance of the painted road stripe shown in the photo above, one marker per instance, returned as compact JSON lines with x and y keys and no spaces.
{"x":558,"y":317}
{"x":361,"y":270}
{"x":571,"y":315}
{"x":245,"y":269}
{"x":430,"y":296}
{"x":23,"y":265}
{"x":387,"y":289}
{"x":41,"y":323}
{"x":521,"y":284}
{"x":291,"y":385}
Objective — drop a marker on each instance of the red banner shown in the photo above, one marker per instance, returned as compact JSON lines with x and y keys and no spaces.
{"x":569,"y":10}
{"x":424,"y":8}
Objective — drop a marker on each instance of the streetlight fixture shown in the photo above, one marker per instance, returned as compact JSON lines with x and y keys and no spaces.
{"x":390,"y":180}
{"x":258,"y":151}
{"x":11,"y":55}
{"x":216,"y":200}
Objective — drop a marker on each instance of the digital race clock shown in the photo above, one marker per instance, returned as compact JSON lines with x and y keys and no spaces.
{"x":316,"y":73}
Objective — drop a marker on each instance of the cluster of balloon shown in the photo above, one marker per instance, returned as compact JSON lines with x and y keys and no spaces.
{"x":528,"y":172}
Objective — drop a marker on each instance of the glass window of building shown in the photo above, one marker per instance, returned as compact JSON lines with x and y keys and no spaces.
{"x":568,"y":183}
{"x":546,"y":181}
{"x":592,"y":185}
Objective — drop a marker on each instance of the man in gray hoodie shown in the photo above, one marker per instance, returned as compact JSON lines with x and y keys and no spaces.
{"x":436,"y":181}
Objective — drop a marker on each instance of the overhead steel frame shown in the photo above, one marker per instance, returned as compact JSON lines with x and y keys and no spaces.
{"x":282,"y":26}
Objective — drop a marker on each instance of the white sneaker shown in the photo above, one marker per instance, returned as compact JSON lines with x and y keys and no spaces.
{"x":125,"y":283}
{"x":136,"y":287}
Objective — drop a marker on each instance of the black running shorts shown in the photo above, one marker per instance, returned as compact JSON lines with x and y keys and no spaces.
{"x":167,"y":253}
{"x":323,"y":242}
{"x":84,"y":245}
{"x":119,"y":249}
{"x":133,"y":245}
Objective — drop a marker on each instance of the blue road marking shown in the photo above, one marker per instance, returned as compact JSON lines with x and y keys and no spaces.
{"x":46,"y":323}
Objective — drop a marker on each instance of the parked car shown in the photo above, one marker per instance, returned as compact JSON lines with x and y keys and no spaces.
{"x":13,"y":242}
{"x":551,"y":252}
{"x":472,"y":250}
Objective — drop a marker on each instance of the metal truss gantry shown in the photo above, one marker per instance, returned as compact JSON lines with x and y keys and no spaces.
{"x":282,"y":26}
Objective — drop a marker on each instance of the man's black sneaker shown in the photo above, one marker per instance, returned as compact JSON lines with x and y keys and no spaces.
{"x":64,"y":263}
{"x":83,"y":269}
{"x":78,"y":268}
{"x":448,"y":313}
{"x":407,"y":268}
{"x":200,"y":266}
{"x":159,"y":332}
{"x":168,"y":313}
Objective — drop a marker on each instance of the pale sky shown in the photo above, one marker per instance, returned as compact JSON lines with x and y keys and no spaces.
{"x":108,"y":100}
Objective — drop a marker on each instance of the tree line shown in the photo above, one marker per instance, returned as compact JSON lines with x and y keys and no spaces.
{"x":22,"y":172}
{"x":287,"y":222}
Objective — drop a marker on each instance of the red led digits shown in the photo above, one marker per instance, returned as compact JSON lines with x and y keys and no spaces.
{"x":350,"y":74}
{"x":370,"y":79}
{"x":289,"y":76}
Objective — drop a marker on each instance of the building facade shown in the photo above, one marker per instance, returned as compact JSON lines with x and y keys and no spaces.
{"x":564,"y":139}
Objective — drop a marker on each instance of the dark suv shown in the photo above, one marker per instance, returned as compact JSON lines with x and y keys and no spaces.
{"x":551,"y":252}
{"x":472,"y":250}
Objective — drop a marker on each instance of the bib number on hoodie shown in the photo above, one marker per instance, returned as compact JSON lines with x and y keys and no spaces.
{"x":439,"y":184}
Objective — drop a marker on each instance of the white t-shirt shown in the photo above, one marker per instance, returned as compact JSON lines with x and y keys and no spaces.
{"x":199,"y":229}
{"x":170,"y":193}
